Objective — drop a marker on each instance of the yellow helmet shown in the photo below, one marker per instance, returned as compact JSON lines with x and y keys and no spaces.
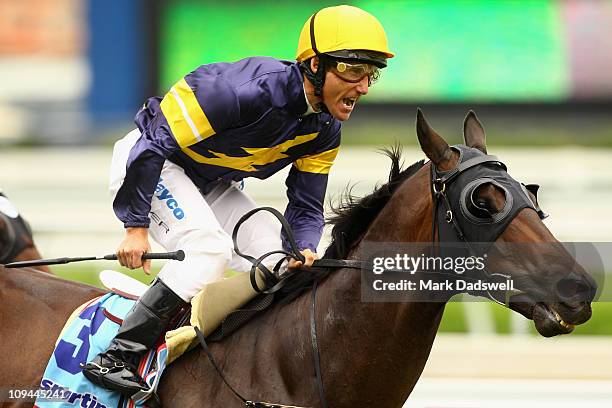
{"x":336,"y":31}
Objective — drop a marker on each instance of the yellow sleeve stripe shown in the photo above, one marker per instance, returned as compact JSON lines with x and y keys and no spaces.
{"x":319,"y":163}
{"x":186,"y":118}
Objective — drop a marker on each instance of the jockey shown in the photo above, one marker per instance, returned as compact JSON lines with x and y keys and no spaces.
{"x":178,"y":175}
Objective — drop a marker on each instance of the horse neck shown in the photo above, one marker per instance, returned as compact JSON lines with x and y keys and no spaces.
{"x":379,"y":348}
{"x":407,"y":216}
{"x":371,"y":354}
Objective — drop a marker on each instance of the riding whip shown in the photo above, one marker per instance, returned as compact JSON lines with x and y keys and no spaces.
{"x":176,"y":255}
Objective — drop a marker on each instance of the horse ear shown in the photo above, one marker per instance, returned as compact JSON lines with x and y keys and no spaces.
{"x":432,"y":144}
{"x":474,"y":133}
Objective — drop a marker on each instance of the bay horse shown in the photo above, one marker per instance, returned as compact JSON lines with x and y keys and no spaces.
{"x":371,"y":353}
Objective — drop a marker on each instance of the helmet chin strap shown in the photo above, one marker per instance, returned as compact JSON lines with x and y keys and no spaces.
{"x":317,"y":79}
{"x":322,"y":107}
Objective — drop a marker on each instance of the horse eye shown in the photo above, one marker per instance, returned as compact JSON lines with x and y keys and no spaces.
{"x":482,"y":203}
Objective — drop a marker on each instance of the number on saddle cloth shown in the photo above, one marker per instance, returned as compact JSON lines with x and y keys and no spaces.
{"x":89,"y":332}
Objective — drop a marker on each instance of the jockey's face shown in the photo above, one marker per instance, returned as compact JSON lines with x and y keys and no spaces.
{"x":340,"y":95}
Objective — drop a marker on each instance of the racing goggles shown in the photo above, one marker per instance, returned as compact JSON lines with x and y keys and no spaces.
{"x":355,"y":73}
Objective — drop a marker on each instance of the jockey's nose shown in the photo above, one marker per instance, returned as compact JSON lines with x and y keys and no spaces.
{"x":363,"y":85}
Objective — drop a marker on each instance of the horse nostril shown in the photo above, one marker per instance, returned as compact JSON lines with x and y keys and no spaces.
{"x":574,"y":289}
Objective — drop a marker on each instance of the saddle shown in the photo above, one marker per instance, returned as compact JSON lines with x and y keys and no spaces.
{"x":231,"y":296}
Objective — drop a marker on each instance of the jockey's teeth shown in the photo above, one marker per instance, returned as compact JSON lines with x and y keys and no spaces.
{"x":348,"y":102}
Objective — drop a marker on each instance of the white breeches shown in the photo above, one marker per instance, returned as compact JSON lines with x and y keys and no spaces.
{"x":183,"y":218}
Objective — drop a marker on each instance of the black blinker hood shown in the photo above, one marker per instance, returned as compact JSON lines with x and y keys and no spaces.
{"x":459,"y":185}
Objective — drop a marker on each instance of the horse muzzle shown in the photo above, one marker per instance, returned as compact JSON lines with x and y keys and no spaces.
{"x":551,"y":318}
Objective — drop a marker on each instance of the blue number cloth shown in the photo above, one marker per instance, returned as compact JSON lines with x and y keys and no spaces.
{"x":88,"y":332}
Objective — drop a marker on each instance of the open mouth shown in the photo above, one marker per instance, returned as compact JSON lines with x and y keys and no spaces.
{"x":349,"y":102}
{"x":548,"y":321}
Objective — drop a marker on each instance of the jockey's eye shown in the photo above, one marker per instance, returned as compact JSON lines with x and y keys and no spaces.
{"x":355,"y":73}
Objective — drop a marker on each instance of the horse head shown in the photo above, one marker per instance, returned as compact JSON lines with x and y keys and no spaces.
{"x":16,"y":241}
{"x":477,"y":202}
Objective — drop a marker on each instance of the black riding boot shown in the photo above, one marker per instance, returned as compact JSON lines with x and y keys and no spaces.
{"x":116,"y":368}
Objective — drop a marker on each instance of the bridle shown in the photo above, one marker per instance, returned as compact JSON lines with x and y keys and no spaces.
{"x":450,"y":191}
{"x":454,"y":189}
{"x":464,"y":224}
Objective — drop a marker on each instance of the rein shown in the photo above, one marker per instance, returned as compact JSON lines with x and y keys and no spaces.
{"x":272,"y":277}
{"x":274,"y":283}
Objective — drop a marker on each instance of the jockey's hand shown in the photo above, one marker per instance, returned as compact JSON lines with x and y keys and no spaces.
{"x":135,"y":244}
{"x":310,"y":258}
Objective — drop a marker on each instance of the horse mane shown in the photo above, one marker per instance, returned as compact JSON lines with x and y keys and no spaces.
{"x":351,"y":218}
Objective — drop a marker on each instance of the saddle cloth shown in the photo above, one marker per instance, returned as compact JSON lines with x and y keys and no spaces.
{"x":89,"y":331}
{"x":92,"y":326}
